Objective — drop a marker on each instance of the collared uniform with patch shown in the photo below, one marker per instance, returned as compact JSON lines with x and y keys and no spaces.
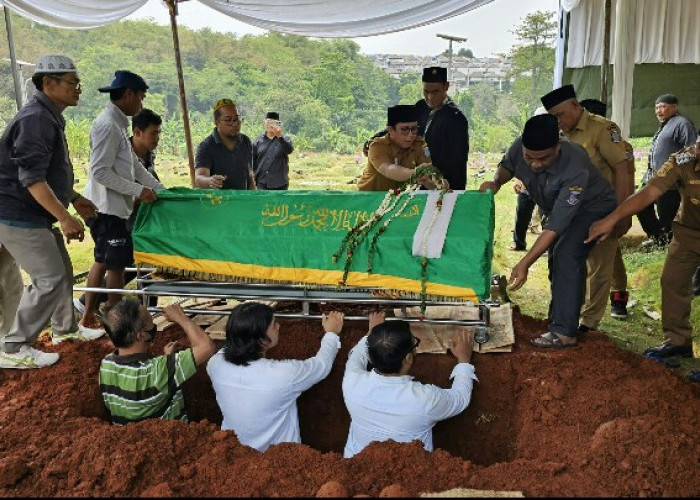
{"x":573,"y":194}
{"x":683,"y":170}
{"x":382,"y":151}
{"x":602,"y":140}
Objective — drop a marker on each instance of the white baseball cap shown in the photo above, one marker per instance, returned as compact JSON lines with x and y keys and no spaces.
{"x":54,"y":64}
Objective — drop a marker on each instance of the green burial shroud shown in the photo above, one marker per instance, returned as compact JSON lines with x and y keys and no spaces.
{"x":291,"y":236}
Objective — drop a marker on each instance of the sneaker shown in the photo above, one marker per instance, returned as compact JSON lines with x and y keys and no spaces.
{"x":618,"y":304}
{"x":79,"y":306}
{"x":668,"y":350}
{"x":27,"y":357}
{"x":83,"y":334}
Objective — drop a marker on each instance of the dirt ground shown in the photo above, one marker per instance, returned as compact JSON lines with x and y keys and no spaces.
{"x":591,"y":421}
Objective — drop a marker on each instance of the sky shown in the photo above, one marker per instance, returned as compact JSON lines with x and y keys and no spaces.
{"x":486,"y":28}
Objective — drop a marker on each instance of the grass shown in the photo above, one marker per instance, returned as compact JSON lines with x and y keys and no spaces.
{"x":323,"y":171}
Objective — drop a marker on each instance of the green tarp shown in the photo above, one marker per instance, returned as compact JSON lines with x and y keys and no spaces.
{"x":290,"y":237}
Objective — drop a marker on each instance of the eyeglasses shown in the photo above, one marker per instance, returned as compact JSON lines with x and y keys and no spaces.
{"x":406,"y":131}
{"x":73,"y":83}
{"x":151,"y":333}
{"x":230,"y":121}
{"x":416,"y":342}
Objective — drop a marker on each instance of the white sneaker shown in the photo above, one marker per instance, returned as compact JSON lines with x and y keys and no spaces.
{"x":27,"y":357}
{"x":79,"y":306}
{"x":83,"y":334}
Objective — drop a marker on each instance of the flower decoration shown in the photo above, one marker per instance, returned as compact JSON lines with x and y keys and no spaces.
{"x":392,"y":206}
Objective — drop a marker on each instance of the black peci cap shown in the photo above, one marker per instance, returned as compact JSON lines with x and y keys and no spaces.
{"x":557,"y":96}
{"x":402,"y":113}
{"x":435,"y":74}
{"x":541,"y":132}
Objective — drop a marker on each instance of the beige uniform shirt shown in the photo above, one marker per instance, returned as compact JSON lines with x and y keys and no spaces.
{"x":382,"y":151}
{"x":603,"y":142}
{"x":684,"y":169}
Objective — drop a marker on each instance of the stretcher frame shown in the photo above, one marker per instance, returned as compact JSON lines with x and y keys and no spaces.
{"x":304,"y":295}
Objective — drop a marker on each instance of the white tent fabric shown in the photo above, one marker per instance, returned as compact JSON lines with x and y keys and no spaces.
{"x":623,"y":65}
{"x":664,"y":31}
{"x":75,"y":14}
{"x":317,"y":18}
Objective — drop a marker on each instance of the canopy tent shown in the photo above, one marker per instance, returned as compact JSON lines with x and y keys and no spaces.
{"x":316,"y":18}
{"x":654,"y":49}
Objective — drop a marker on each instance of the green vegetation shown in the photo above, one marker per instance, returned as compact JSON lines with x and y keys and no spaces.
{"x":331,"y":99}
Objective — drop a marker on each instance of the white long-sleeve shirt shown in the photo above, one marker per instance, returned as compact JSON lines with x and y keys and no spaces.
{"x":259,"y":401}
{"x":116,"y":176}
{"x":398,"y":408}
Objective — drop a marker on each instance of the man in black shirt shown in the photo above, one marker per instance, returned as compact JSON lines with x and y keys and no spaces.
{"x":444,"y":127}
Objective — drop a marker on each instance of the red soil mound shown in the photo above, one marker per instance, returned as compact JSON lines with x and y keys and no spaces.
{"x":589,"y":421}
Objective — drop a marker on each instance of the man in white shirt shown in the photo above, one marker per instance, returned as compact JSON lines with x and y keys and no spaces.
{"x":258,"y":396}
{"x":385,"y":402}
{"x":116,"y":179}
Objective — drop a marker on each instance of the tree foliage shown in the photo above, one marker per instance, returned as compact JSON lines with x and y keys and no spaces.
{"x":329,"y":96}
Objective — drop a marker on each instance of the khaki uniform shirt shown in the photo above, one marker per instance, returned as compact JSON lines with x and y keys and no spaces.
{"x":382,"y":151}
{"x":684,"y":169}
{"x":602,"y":140}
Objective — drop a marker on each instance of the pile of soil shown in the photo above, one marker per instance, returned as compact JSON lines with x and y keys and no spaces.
{"x":595,"y":420}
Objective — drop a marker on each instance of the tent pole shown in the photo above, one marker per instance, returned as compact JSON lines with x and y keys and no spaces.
{"x":172,"y":7}
{"x":606,"y":53}
{"x":13,"y":57}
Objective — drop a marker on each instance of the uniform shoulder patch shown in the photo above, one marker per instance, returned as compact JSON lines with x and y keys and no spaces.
{"x":615,"y":134}
{"x":685,"y":156}
{"x":574,"y":195}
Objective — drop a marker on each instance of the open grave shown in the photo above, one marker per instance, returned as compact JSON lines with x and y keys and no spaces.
{"x":594,"y":421}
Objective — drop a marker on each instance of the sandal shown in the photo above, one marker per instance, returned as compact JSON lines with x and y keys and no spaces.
{"x":550,"y":340}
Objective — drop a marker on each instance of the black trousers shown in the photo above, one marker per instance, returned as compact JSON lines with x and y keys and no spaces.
{"x":657,"y":218}
{"x":523,"y":215}
{"x":567,"y":273}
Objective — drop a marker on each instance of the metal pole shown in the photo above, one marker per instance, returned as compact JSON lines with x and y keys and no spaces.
{"x":172,"y":7}
{"x":606,"y":53}
{"x":13,"y":58}
{"x":449,"y":77}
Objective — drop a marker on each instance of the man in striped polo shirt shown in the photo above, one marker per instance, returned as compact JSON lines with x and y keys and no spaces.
{"x":136,"y":385}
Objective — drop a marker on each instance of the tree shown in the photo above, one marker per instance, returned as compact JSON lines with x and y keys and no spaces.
{"x":533,"y":57}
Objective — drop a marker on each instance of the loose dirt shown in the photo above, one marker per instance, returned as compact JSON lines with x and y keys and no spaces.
{"x":591,"y":421}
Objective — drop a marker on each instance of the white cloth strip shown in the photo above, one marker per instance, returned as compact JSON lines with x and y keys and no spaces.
{"x":436,"y":237}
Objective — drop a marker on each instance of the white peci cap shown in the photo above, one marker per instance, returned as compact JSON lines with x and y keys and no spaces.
{"x":54,"y":64}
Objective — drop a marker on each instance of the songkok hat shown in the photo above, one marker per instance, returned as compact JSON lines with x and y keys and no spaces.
{"x":594,"y":106}
{"x":222,"y":103}
{"x":272,"y":115}
{"x":125,"y":80}
{"x":54,"y":64}
{"x":667,"y":99}
{"x":435,"y":74}
{"x":558,"y":96}
{"x":541,"y":132}
{"x":402,"y":113}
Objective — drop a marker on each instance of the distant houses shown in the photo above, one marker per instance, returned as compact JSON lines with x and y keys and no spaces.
{"x":466,"y":71}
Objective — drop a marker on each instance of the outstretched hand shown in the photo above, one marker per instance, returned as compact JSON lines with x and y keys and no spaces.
{"x":494,"y":187}
{"x":600,"y":230}
{"x":376,"y":318}
{"x":518,"y":276}
{"x":333,"y":321}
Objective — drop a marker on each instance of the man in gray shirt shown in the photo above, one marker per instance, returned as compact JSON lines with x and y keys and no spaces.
{"x":561,"y":179}
{"x":271,"y":155}
{"x":36,"y":186}
{"x":675,"y":133}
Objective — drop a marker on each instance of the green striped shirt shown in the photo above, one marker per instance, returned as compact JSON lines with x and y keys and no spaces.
{"x":139,"y":386}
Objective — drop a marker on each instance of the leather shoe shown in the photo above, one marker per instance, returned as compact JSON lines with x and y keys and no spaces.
{"x":668,"y":350}
{"x":517,"y":248}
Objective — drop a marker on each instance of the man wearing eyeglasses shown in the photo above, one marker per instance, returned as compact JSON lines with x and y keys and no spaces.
{"x":385,"y":402}
{"x":392,"y":158}
{"x":36,"y":186}
{"x":224,"y":160}
{"x":136,"y":385}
